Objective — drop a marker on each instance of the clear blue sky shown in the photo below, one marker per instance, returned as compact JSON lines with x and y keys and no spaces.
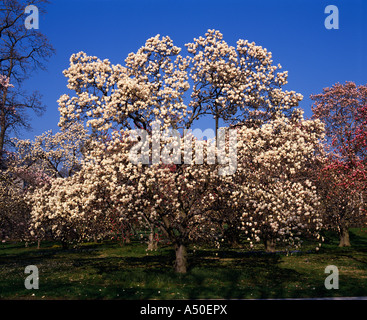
{"x":293,"y":30}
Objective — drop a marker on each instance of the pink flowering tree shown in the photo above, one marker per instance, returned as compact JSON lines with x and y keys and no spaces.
{"x":342,"y":190}
{"x":342,"y":108}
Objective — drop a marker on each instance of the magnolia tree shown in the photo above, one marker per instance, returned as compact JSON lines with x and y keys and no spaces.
{"x":271,"y":195}
{"x":236,"y":84}
{"x":15,"y":185}
{"x":342,"y":190}
{"x":149,"y":87}
{"x":52,"y":155}
{"x":186,"y":192}
{"x":343,"y":109}
{"x":56,"y":210}
{"x":178,"y":198}
{"x":233,"y":84}
{"x":37,"y":163}
{"x":189,"y":200}
{"x":14,"y":209}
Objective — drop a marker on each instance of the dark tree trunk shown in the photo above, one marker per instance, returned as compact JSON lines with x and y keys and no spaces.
{"x":181,"y":258}
{"x":269,"y":244}
{"x":344,"y":237}
{"x":2,"y":138}
{"x":232,"y":236}
{"x":64,"y":245}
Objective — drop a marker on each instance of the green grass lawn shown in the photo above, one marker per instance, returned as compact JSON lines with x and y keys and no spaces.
{"x":110,"y":271}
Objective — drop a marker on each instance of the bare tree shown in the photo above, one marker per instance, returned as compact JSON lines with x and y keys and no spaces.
{"x":22,"y":51}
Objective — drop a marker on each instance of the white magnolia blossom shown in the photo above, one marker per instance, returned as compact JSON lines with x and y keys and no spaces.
{"x":268,"y":195}
{"x":55,"y":155}
{"x":237,"y":83}
{"x":271,"y":194}
{"x":149,"y":87}
{"x":109,"y":187}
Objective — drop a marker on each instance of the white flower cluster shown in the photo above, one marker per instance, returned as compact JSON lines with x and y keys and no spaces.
{"x":111,"y":187}
{"x":4,"y":82}
{"x":149,"y":87}
{"x":55,"y":155}
{"x":271,"y":186}
{"x":268,"y":195}
{"x":232,"y":82}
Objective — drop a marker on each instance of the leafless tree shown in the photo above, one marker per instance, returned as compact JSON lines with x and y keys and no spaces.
{"x":22,"y":51}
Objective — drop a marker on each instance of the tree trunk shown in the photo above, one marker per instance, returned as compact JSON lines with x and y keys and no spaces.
{"x":2,"y":123}
{"x":38,"y":244}
{"x":232,"y":236}
{"x":181,"y":259}
{"x":127,"y":239}
{"x":152,"y":244}
{"x":344,"y":237}
{"x":64,"y":245}
{"x":269,"y":244}
{"x":2,"y":139}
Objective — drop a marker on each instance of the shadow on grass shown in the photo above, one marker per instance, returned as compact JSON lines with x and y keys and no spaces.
{"x":21,"y":255}
{"x":108,"y":271}
{"x":241,"y":274}
{"x":81,"y":274}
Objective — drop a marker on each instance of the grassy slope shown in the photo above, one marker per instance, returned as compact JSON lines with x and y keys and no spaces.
{"x":109,"y":271}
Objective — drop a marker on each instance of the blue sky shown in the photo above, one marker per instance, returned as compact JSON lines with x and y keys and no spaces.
{"x":293,"y":30}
